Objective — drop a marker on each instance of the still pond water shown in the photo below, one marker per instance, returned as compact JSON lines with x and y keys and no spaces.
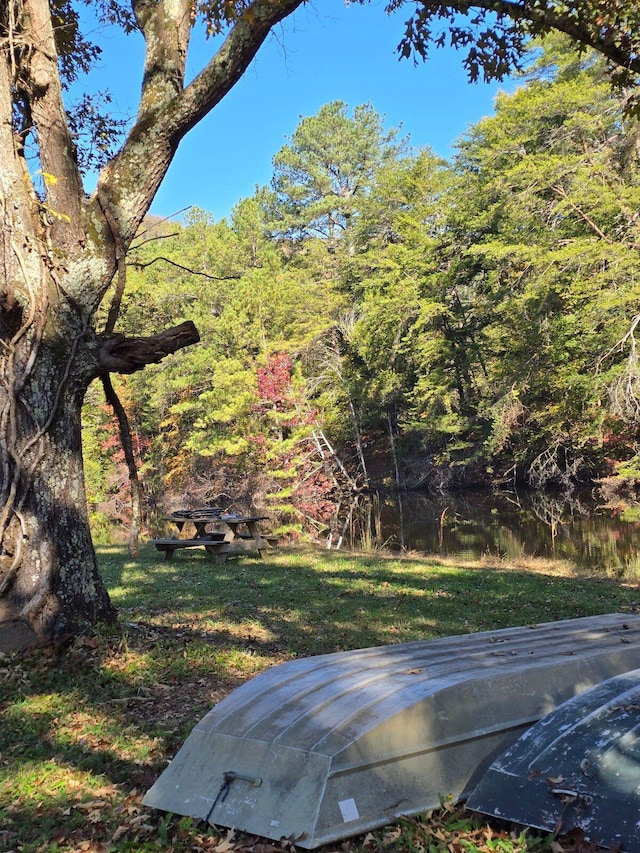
{"x":497,"y":524}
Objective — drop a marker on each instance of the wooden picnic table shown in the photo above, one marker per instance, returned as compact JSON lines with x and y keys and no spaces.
{"x":232,"y":534}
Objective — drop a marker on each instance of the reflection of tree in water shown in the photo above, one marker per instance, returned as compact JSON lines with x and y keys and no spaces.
{"x":506,"y":525}
{"x":554,"y":510}
{"x":373,"y":520}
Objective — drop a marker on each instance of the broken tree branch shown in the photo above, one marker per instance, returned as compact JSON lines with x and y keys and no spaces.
{"x":120,"y":354}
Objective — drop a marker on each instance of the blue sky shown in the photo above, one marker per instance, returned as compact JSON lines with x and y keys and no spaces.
{"x":324,"y":52}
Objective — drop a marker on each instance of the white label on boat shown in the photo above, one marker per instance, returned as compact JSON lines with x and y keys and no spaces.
{"x":349,"y":810}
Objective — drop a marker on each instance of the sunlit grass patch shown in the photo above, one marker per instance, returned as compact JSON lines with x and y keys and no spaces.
{"x":401,"y":596}
{"x":133,"y":666}
{"x":45,"y":784}
{"x":101,"y":732}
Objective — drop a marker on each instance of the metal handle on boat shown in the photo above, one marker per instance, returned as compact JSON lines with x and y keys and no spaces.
{"x":227,"y":778}
{"x":567,"y":795}
{"x":231,"y":776}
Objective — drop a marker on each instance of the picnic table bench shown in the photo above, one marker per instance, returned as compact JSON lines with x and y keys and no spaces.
{"x":238,"y":534}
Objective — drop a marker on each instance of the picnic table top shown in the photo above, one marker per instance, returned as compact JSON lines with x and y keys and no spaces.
{"x":226,"y":517}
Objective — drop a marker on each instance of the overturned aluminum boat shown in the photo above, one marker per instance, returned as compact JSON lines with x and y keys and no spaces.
{"x":578,"y":768}
{"x":322,"y":748}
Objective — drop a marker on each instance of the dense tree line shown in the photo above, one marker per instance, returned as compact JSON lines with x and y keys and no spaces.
{"x":377,"y":315}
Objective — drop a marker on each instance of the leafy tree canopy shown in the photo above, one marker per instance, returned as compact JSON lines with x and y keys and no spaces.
{"x":495,"y":32}
{"x":473,"y":318}
{"x":329,"y":162}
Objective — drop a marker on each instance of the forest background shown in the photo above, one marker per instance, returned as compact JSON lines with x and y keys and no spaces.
{"x":378,"y":317}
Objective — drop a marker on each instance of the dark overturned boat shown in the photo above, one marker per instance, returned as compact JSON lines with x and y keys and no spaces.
{"x":578,"y":768}
{"x":326,"y":747}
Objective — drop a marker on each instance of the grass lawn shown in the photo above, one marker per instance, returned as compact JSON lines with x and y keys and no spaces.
{"x":86,"y":729}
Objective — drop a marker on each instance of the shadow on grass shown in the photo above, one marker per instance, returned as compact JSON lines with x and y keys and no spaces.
{"x":312,"y":602}
{"x":94,"y":723}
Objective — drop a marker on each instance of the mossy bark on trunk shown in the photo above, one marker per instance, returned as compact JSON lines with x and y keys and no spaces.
{"x":48,"y":572}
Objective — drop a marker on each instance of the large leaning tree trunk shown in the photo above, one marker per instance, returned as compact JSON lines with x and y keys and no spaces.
{"x":59,"y":252}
